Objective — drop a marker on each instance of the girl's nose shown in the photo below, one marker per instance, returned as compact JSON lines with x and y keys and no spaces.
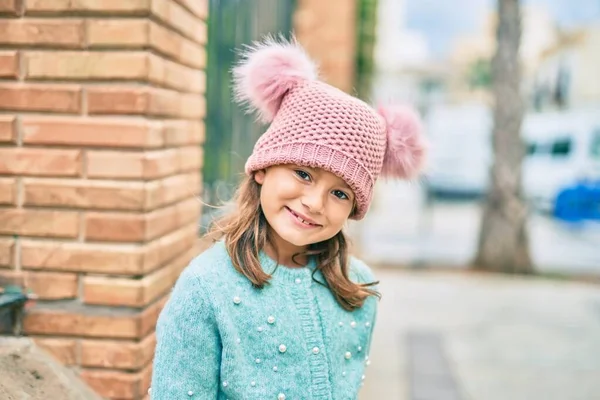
{"x":314,"y":202}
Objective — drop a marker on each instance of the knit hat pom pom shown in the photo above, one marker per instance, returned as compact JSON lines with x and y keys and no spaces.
{"x":267,"y":71}
{"x":406,"y":148}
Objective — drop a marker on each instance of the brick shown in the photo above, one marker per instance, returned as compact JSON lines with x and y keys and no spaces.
{"x":165,"y":102}
{"x":109,"y":291}
{"x":78,"y":65}
{"x":178,"y":133}
{"x":192,"y":54}
{"x":64,"y":350}
{"x":35,"y":97}
{"x":115,"y":384}
{"x":144,"y":101}
{"x":193,"y":106}
{"x":121,"y":7}
{"x":82,"y":257}
{"x":165,"y":40}
{"x":10,"y":7}
{"x":117,"y":100}
{"x":128,"y":33}
{"x":8,"y":129}
{"x":112,"y":291}
{"x":132,"y":165}
{"x":9,"y":64}
{"x":95,"y":323}
{"x":52,"y":285}
{"x":173,"y":75}
{"x":198,"y":7}
{"x":150,"y":314}
{"x":128,"y":227}
{"x":42,"y":32}
{"x":177,"y":47}
{"x":188,"y":210}
{"x":166,"y":248}
{"x":117,"y":354}
{"x":110,"y":195}
{"x":172,"y":189}
{"x":91,"y":132}
{"x":160,"y":163}
{"x":8,"y":191}
{"x":6,"y":252}
{"x":42,"y":162}
{"x":191,"y":158}
{"x":180,"y":19}
{"x":82,"y":322}
{"x":161,"y":221}
{"x":86,"y":194}
{"x":30,"y":222}
{"x":114,"y":227}
{"x":157,"y":284}
{"x":146,"y":381}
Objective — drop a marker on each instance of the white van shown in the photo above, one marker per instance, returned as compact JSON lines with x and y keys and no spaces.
{"x":563,"y":148}
{"x":460,"y":153}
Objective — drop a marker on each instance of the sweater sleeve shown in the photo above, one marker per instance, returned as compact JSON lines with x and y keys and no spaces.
{"x":188,"y":348}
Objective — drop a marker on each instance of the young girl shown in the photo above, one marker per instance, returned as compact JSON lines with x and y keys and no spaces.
{"x":277,"y":309}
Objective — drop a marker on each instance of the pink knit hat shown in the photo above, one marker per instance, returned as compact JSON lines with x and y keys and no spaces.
{"x":316,"y":125}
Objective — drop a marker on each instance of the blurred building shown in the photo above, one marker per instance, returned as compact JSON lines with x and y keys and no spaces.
{"x":327,"y":30}
{"x":405,"y":69}
{"x":567,"y":75}
{"x":471,"y":55}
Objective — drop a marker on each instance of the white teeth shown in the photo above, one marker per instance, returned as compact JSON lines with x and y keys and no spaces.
{"x":300,"y":219}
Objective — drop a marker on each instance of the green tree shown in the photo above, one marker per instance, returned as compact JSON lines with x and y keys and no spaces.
{"x":480,"y":74}
{"x":365,"y":44}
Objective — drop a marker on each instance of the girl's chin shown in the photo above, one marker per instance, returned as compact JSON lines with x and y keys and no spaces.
{"x":300,"y":238}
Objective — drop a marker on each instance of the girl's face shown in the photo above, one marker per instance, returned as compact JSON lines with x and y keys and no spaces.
{"x":303,"y":205}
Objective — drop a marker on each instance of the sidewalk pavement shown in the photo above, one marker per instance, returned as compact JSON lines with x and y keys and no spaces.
{"x":469,"y":336}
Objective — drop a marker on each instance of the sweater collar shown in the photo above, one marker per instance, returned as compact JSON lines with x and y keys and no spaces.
{"x":287,"y":274}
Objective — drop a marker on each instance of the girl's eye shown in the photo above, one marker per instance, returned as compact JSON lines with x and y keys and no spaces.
{"x":302,"y":174}
{"x":340,"y":195}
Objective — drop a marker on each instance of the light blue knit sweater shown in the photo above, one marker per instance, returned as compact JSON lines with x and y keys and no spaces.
{"x":220,"y":338}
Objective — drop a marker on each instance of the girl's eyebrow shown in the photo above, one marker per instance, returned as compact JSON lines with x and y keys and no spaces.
{"x":345,"y":186}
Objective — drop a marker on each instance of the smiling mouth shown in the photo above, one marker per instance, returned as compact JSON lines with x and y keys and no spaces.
{"x":300,"y":219}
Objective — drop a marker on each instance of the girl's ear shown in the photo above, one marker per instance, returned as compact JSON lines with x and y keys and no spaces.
{"x":259,"y":176}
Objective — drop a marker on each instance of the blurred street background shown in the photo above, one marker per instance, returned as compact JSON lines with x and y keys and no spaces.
{"x":116,"y":119}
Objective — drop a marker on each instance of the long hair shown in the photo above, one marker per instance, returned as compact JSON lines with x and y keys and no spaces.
{"x":246,"y":232}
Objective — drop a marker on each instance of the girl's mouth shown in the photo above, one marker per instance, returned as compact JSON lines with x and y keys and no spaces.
{"x":302,"y":220}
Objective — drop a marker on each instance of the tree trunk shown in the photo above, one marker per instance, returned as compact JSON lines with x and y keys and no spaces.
{"x":503,"y":239}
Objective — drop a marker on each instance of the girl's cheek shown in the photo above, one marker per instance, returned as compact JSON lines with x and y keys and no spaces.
{"x":290,"y":186}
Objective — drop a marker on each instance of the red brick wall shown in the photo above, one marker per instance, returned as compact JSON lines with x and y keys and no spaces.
{"x":101,"y":108}
{"x":327,"y":29}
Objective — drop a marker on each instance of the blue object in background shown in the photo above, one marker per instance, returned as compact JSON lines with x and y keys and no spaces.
{"x":578,"y":203}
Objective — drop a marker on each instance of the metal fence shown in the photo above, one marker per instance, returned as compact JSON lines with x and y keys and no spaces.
{"x":230,"y":133}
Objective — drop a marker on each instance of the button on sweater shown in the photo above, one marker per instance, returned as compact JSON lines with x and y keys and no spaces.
{"x":220,"y":338}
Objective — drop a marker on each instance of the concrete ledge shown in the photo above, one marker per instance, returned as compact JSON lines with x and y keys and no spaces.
{"x":27,"y":372}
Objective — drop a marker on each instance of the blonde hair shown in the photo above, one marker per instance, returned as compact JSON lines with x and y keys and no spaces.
{"x":246,"y":232}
